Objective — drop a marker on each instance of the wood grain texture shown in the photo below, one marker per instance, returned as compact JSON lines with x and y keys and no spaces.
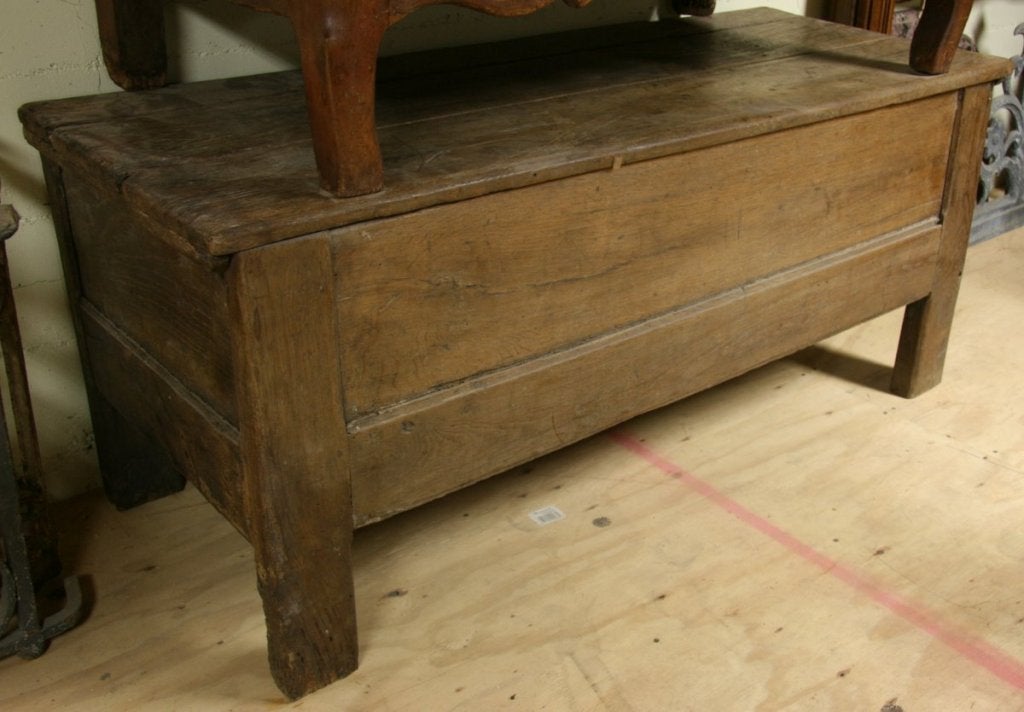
{"x":151,"y":427}
{"x":440,"y":295}
{"x":344,"y":417}
{"x":295,"y":462}
{"x":664,"y":91}
{"x":874,"y":15}
{"x":500,"y":420}
{"x":338,"y":45}
{"x":938,"y":34}
{"x":877,"y":15}
{"x":174,"y":306}
{"x":124,"y":484}
{"x":339,"y":41}
{"x":927,"y":324}
{"x":566,"y":616}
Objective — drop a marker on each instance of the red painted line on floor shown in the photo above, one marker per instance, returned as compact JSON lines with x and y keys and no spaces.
{"x":987,"y":656}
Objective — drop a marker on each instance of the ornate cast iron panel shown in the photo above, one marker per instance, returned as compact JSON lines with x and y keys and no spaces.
{"x":1001,"y":185}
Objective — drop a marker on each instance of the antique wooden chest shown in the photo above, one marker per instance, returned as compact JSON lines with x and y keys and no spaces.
{"x":573,"y":230}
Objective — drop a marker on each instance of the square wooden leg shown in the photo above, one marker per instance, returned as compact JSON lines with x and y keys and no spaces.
{"x":926,"y":324}
{"x":296,"y":483}
{"x":135,"y":468}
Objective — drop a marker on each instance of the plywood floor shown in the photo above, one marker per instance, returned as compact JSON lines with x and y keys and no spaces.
{"x":797,"y":539}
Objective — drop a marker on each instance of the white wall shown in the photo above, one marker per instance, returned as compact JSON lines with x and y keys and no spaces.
{"x":992,"y":23}
{"x":49,"y":49}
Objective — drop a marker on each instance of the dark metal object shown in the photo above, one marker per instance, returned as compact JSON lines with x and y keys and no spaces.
{"x":19,"y":604}
{"x":27,"y":541}
{"x":1001,"y":185}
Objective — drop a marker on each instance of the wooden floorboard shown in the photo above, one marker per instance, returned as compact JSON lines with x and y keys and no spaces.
{"x":796,"y":539}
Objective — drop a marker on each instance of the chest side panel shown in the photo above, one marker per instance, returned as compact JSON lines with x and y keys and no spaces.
{"x":445,"y":294}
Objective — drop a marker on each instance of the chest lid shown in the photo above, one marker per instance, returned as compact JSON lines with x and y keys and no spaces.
{"x":227,"y":165}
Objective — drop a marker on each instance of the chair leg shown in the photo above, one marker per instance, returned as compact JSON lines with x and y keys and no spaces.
{"x":134,"y":42}
{"x":338,"y":45}
{"x":937,"y":35}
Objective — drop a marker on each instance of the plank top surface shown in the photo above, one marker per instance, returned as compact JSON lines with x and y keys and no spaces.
{"x":227,"y":165}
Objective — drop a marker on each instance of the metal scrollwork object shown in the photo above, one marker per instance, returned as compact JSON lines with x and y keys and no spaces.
{"x":28,"y":548}
{"x":1001,"y":184}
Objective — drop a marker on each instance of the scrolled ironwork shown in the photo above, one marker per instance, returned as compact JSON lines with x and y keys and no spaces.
{"x":1003,"y":161}
{"x":1001,"y":182}
{"x":28,"y":548}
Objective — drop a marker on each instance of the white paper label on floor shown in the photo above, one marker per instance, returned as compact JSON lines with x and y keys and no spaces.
{"x":547,"y":515}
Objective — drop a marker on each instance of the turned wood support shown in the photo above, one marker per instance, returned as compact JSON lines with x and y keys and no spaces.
{"x":338,"y":44}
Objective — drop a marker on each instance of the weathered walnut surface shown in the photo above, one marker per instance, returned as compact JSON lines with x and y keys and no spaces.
{"x":641,"y":91}
{"x":573,"y":230}
{"x":339,"y":41}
